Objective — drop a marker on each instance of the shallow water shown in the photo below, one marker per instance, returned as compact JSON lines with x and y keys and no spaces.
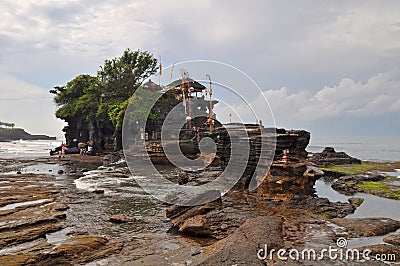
{"x":373,"y":206}
{"x":366,"y":241}
{"x":27,"y":149}
{"x":15,"y":205}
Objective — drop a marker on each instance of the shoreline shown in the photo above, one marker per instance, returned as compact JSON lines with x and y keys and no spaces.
{"x":78,"y":222}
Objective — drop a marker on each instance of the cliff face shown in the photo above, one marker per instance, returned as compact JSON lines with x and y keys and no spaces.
{"x":101,"y":135}
{"x":7,"y":134}
{"x":285,"y":178}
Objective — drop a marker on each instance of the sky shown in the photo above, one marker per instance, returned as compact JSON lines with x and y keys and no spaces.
{"x":330,"y":67}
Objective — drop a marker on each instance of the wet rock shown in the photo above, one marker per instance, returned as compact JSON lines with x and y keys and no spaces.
{"x":121,"y":218}
{"x":183,"y":178}
{"x":289,"y":142}
{"x":393,"y":239}
{"x":84,"y":248}
{"x":191,"y":220}
{"x":196,"y":226}
{"x":111,"y":158}
{"x":313,"y":171}
{"x":196,"y":253}
{"x":242,"y":246}
{"x":60,"y":207}
{"x":286,"y":181}
{"x":386,"y":253}
{"x":324,"y":206}
{"x":359,"y":227}
{"x":190,"y":203}
{"x":356,"y":202}
{"x":348,"y":184}
{"x":330,"y":157}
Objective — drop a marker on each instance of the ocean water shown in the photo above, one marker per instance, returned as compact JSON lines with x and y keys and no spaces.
{"x":368,"y":148}
{"x":27,"y":149}
{"x":365,"y":148}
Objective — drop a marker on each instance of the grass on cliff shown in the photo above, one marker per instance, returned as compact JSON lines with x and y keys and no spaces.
{"x":352,"y":169}
{"x":380,"y":188}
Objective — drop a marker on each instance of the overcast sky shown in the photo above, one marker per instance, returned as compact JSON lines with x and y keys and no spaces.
{"x":331,"y":67}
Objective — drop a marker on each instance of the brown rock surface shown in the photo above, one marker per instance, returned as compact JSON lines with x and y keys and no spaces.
{"x":196,"y":226}
{"x":121,"y":218}
{"x":386,"y":253}
{"x":348,"y":184}
{"x":242,"y":246}
{"x":393,"y":239}
{"x":356,"y":202}
{"x":368,"y":226}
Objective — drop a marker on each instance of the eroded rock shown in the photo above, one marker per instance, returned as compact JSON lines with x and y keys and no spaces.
{"x":329,"y":157}
{"x":359,"y":227}
{"x":242,"y":246}
{"x":348,"y":184}
{"x":356,"y":202}
{"x":121,"y":218}
{"x":393,"y":239}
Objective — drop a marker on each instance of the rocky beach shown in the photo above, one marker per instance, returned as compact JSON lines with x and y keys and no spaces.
{"x":89,"y":210}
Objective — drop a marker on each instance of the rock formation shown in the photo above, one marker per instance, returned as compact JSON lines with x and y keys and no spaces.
{"x":329,"y":157}
{"x":286,"y":178}
{"x":286,"y":181}
{"x":8,"y":134}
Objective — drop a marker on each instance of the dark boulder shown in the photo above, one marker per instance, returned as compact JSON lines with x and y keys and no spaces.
{"x":330,"y":157}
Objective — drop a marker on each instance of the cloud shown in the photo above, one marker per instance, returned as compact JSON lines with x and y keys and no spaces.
{"x":377,"y":96}
{"x":283,"y":44}
{"x":380,"y":95}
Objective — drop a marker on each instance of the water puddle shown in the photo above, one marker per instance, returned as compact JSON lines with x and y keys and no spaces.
{"x":59,"y":237}
{"x":366,"y":241}
{"x":15,"y":205}
{"x":41,"y":168}
{"x":20,"y":247}
{"x":372,"y":207}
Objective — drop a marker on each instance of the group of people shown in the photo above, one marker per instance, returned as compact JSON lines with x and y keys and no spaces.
{"x":84,"y":149}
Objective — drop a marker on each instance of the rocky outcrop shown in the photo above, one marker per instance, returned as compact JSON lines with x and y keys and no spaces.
{"x":324,"y":206}
{"x":7,"y":134}
{"x":330,"y":157}
{"x":243,"y":246}
{"x":348,"y":184}
{"x":287,"y":144}
{"x":191,"y":220}
{"x":361,"y":227}
{"x":121,"y":218}
{"x":393,"y":239}
{"x":356,"y":202}
{"x":285,"y":181}
{"x":389,"y":252}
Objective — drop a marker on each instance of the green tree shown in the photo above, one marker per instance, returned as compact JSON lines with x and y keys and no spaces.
{"x":78,"y":99}
{"x":101,"y":101}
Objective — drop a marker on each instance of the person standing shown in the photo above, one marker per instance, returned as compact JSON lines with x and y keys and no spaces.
{"x":62,"y":150}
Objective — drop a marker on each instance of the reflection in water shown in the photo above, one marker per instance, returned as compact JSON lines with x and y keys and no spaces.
{"x":373,"y":206}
